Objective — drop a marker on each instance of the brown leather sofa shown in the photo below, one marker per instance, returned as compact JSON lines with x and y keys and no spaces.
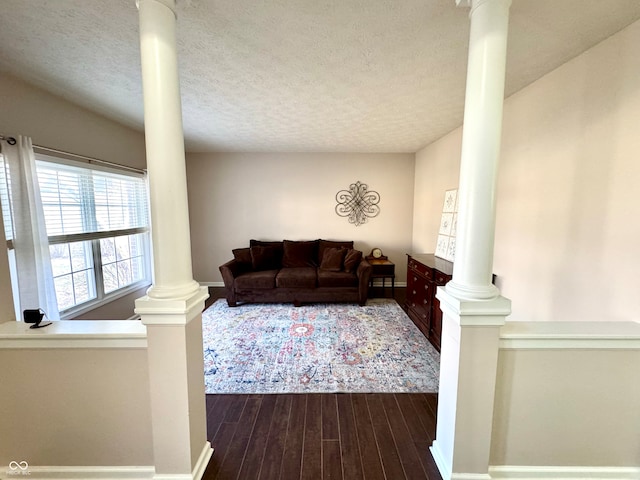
{"x":297,"y":272}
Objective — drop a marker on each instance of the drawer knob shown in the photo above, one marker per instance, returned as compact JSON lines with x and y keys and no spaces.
{"x":414,"y":292}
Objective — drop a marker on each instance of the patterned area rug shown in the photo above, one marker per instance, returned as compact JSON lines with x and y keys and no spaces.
{"x":316,"y":349}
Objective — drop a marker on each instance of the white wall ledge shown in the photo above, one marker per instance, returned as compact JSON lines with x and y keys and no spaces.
{"x":570,"y":335}
{"x":74,"y":334}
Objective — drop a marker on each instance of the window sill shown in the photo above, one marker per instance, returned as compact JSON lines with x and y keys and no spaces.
{"x":74,"y":334}
{"x":112,"y":297}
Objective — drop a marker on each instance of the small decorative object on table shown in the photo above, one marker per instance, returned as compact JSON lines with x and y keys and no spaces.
{"x":382,"y":268}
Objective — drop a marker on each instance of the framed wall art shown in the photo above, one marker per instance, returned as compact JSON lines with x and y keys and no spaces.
{"x":446,"y":243}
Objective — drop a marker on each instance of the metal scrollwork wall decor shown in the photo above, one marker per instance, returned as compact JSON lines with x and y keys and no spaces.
{"x":358,"y":203}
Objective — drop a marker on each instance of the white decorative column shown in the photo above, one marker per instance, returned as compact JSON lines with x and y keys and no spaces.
{"x":473,"y":310}
{"x":172,"y":309}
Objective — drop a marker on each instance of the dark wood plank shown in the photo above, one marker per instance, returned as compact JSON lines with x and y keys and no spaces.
{"x":277,"y":437}
{"x":432,"y":401}
{"x":406,"y":447}
{"x":349,"y":447}
{"x":292,"y":457}
{"x":329,"y":417}
{"x":416,"y":428}
{"x":211,"y":400}
{"x":258,"y":441}
{"x":312,"y":450}
{"x":331,"y":460}
{"x":371,"y":463}
{"x":428,"y":463}
{"x":424,"y":414}
{"x":384,"y":438}
{"x":217,"y":412}
{"x":234,"y":410}
{"x":220,"y":443}
{"x":232,"y":461}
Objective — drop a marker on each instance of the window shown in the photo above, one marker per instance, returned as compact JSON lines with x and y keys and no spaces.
{"x":97,"y":227}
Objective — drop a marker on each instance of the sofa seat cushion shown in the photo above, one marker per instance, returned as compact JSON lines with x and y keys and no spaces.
{"x":256,"y":280}
{"x":328,"y":278}
{"x":297,"y":277}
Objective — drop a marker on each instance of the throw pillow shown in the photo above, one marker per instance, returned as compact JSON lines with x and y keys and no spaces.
{"x":265,"y":258}
{"x":352,"y":260}
{"x":242,"y":255}
{"x":332,"y":259}
{"x":300,"y":253}
{"x":324,"y":244}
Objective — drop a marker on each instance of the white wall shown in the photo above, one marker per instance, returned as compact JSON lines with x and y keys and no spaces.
{"x":55,"y":123}
{"x":236,"y":197}
{"x":567,"y":233}
{"x":437,"y":170}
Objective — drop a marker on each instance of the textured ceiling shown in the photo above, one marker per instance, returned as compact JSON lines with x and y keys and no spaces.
{"x":295,"y":75}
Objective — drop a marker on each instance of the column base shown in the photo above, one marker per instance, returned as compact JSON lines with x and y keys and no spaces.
{"x":176,"y":384}
{"x":468,"y":368}
{"x":171,"y":311}
{"x":471,"y":293}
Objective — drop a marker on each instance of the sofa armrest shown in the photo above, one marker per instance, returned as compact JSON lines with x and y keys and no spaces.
{"x":230,"y":271}
{"x":364,"y":275}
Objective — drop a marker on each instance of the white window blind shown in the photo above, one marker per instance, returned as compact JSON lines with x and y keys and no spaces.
{"x":5,"y":201}
{"x":90,"y":202}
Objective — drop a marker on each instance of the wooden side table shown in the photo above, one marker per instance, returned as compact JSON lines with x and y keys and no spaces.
{"x":383,"y":268}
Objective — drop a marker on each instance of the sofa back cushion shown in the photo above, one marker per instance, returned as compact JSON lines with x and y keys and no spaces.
{"x":265,"y":258}
{"x":277,"y":245}
{"x":324,"y":244}
{"x":332,"y":259}
{"x":300,"y":253}
{"x":352,"y":260}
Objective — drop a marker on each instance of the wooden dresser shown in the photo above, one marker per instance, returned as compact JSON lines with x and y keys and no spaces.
{"x":425,"y":272}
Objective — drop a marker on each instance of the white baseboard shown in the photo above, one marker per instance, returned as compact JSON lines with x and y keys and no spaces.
{"x":470,"y":476}
{"x":441,"y":463}
{"x":212,"y":284}
{"x":111,"y":473}
{"x":86,"y":473}
{"x":203,"y":461}
{"x":508,"y":472}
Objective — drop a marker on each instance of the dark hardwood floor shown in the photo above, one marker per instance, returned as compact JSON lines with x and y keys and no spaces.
{"x":322,"y":436}
{"x":346,"y":436}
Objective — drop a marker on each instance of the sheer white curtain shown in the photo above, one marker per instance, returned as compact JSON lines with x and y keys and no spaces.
{"x":33,"y":271}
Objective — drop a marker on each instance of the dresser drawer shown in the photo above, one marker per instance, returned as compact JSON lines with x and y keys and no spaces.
{"x":442,"y":278}
{"x":420,"y":318}
{"x":418,"y":295}
{"x":418,"y":267}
